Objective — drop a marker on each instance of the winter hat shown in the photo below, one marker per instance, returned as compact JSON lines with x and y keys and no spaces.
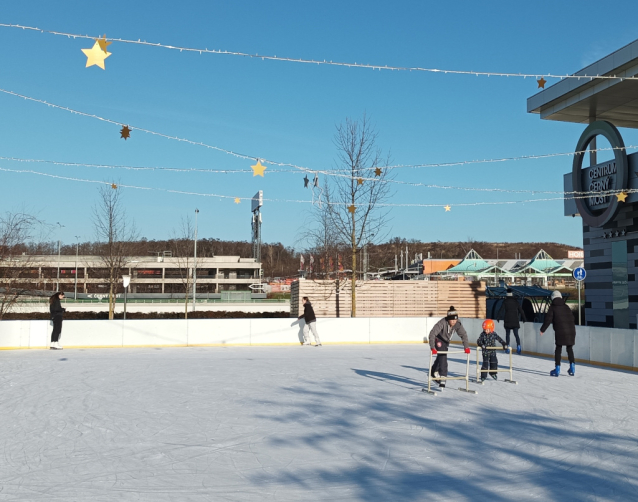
{"x":509,"y":292}
{"x":452,"y":314}
{"x":556,"y":294}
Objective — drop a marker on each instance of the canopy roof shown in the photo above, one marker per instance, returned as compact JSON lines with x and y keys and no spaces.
{"x":542,"y":262}
{"x":519,"y":291}
{"x":471,"y":263}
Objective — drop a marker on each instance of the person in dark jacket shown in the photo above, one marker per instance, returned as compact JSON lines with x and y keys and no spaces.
{"x":311,"y":322}
{"x":561,"y":318}
{"x":57,"y":313}
{"x":509,"y":312}
{"x":439,"y":339}
{"x":489,"y":338}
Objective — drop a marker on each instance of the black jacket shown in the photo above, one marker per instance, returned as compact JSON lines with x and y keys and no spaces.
{"x":489,"y":340}
{"x":308,"y":313}
{"x":512,"y":309}
{"x":560,"y":316}
{"x":443,"y":331}
{"x":56,"y":309}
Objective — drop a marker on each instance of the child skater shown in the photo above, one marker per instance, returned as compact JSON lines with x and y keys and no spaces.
{"x":488,"y":339}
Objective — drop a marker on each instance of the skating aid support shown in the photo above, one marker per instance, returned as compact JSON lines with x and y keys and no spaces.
{"x":466,"y":377}
{"x":479,"y":370}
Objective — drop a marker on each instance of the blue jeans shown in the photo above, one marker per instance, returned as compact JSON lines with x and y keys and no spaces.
{"x":507,"y":336}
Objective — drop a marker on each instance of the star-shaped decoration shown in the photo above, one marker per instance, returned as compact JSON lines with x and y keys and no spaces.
{"x":617,"y":233}
{"x":113,"y":186}
{"x":351,"y":209}
{"x":447,"y":208}
{"x":623,"y":233}
{"x":95,"y":56}
{"x":315,"y":182}
{"x":621,"y":196}
{"x":541,"y":83}
{"x":258,"y":169}
{"x":125,"y":132}
{"x":305,"y":181}
{"x":237,"y":200}
{"x":377,"y":171}
{"x":103,"y":43}
{"x":359,"y":181}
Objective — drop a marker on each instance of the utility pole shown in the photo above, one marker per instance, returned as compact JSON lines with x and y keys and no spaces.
{"x":57,"y":286}
{"x":77,"y":245}
{"x":195,"y":263}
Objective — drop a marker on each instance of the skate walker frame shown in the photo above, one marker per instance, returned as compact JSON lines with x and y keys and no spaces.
{"x":466,"y":377}
{"x":479,"y":370}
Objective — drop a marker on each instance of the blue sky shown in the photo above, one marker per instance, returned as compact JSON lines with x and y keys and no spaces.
{"x":288,"y":112}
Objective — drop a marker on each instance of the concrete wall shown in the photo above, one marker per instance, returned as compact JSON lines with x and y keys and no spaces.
{"x":614,"y":347}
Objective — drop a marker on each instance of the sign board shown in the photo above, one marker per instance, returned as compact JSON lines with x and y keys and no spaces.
{"x":575,"y":254}
{"x":579,"y":274}
{"x":258,"y":200}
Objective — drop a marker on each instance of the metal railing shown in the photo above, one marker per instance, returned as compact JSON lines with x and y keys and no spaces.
{"x":466,"y":377}
{"x":479,"y":371}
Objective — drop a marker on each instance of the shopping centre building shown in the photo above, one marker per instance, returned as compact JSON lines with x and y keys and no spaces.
{"x":603,"y":194}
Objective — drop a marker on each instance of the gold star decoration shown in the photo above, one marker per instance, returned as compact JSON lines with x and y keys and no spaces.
{"x":237,"y":200}
{"x":541,"y":83}
{"x":125,"y":132}
{"x":447,"y":208}
{"x":377,"y":171}
{"x":621,"y":196}
{"x":258,"y":169}
{"x":103,"y":43}
{"x":95,"y":55}
{"x":113,"y":186}
{"x":360,"y":181}
{"x":351,"y":209}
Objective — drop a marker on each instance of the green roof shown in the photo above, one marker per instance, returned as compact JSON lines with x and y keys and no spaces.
{"x":471,"y":263}
{"x":542,"y":262}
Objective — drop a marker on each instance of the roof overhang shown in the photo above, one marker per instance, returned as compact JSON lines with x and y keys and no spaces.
{"x":587,"y":99}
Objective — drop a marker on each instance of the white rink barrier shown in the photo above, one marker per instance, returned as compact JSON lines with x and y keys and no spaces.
{"x":605,"y":346}
{"x":510,"y":370}
{"x":465,"y":377}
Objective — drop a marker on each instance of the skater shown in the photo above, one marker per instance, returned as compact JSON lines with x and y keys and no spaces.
{"x":488,"y":339}
{"x":439,"y":339}
{"x":57,"y":314}
{"x":311,"y":322}
{"x":561,"y":317}
{"x":509,"y":312}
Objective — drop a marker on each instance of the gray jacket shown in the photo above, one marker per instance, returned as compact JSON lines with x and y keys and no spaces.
{"x":443,"y":330}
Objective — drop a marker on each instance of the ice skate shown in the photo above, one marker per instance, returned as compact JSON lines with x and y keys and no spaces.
{"x":555,"y":372}
{"x":494,"y":376}
{"x":318,"y":345}
{"x":442,"y":385}
{"x":572,"y":369}
{"x":518,"y":350}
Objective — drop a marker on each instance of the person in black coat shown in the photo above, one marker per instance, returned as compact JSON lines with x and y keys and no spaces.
{"x":561,"y":318}
{"x":509,"y":312}
{"x":311,"y":322}
{"x":57,"y":314}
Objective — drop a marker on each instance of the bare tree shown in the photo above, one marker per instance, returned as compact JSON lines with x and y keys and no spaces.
{"x":356,"y":191}
{"x":181,"y":247}
{"x":115,"y":235}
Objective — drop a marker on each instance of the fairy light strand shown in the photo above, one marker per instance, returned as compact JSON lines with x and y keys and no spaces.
{"x":327,"y":62}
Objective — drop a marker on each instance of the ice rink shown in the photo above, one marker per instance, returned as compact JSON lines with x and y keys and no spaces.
{"x":338,"y":423}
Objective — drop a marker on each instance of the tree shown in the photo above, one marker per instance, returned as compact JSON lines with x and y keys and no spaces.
{"x":114,"y":235}
{"x":357,"y":189}
{"x":17,"y":270}
{"x":181,"y":247}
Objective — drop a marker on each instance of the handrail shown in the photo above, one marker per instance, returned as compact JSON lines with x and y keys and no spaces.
{"x":479,"y":371}
{"x":466,"y":377}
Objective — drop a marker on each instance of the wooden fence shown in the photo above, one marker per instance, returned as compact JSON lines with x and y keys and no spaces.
{"x":389,"y":298}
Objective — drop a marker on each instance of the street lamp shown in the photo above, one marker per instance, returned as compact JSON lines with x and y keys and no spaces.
{"x":126,"y":280}
{"x":195,"y":263}
{"x":57,"y":286}
{"x":77,"y":245}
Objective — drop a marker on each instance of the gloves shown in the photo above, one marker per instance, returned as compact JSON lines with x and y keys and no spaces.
{"x":467,"y":350}
{"x":434,"y":351}
{"x":506,"y":349}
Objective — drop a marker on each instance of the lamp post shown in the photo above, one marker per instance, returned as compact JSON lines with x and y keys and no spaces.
{"x":57,"y":285}
{"x":195,"y":263}
{"x":126,"y":280}
{"x":77,"y":245}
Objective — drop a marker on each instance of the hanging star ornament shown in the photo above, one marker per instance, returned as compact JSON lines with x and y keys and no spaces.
{"x":125,"y":132}
{"x":351,"y":209}
{"x":113,"y":186}
{"x":305,"y":181}
{"x":103,"y":43}
{"x":541,"y":83}
{"x":258,"y":169}
{"x":237,"y":200}
{"x":360,"y":181}
{"x":377,"y":171}
{"x":621,"y":196}
{"x":447,"y":208}
{"x":95,"y":55}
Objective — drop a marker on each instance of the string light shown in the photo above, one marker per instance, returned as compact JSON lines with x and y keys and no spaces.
{"x":329,"y":63}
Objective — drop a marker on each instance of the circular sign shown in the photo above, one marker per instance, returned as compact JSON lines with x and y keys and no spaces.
{"x":579,"y":274}
{"x":619,"y":170}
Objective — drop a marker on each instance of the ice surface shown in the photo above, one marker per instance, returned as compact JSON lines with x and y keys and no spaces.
{"x":338,"y":423}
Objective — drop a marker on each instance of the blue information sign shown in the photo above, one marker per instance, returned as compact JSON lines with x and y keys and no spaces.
{"x":579,"y":274}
